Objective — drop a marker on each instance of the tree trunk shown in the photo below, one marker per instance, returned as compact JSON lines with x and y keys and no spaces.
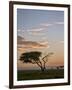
{"x":43,"y":69}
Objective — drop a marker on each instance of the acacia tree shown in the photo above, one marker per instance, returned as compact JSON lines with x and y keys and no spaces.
{"x":35,"y":57}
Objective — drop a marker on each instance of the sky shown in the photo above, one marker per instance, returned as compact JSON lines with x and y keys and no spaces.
{"x":40,"y":30}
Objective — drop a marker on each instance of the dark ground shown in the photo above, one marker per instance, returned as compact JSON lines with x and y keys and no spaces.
{"x":37,"y":74}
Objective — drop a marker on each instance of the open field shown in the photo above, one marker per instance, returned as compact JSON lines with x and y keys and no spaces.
{"x":37,"y":74}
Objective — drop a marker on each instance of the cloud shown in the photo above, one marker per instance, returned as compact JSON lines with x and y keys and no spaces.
{"x":46,"y":24}
{"x":20,"y":39}
{"x":44,"y":38}
{"x":23,"y":44}
{"x":36,"y":33}
{"x":39,"y":29}
{"x":32,"y":44}
{"x":61,"y":42}
{"x":59,"y":23}
{"x":51,"y":24}
{"x":43,"y":26}
{"x":44,"y":42}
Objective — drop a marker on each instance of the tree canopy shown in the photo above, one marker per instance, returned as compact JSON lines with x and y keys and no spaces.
{"x":28,"y":57}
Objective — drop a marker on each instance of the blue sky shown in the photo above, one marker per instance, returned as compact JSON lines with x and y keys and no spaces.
{"x":41,"y":30}
{"x":32,"y":19}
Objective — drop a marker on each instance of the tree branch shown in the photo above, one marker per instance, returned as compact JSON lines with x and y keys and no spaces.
{"x":40,"y":63}
{"x":47,"y":57}
{"x":37,"y":62}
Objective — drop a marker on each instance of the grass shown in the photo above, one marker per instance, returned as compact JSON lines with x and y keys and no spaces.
{"x":37,"y":74}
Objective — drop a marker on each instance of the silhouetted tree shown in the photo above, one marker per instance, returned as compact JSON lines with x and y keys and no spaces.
{"x":35,"y":58}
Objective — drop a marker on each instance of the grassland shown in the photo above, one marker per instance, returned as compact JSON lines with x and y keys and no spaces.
{"x":37,"y":74}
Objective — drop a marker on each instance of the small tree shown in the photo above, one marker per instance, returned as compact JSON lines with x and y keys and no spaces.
{"x":35,"y":58}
